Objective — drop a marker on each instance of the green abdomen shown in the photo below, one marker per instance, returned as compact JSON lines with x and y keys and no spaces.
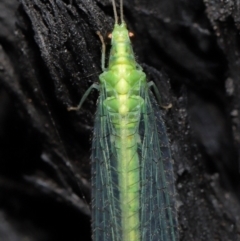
{"x":124,"y":110}
{"x":128,"y":181}
{"x":126,"y":140}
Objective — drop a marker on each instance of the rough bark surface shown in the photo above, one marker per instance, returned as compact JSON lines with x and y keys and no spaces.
{"x":49,"y":56}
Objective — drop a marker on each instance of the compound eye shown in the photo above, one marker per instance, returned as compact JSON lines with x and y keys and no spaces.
{"x":130,"y":34}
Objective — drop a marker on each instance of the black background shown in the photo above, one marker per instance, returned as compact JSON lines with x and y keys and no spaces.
{"x":49,"y":56}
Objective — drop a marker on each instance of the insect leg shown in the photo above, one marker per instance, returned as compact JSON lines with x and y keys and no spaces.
{"x":157,"y":94}
{"x":103,"y":50}
{"x":93,"y":86}
{"x":156,"y":91}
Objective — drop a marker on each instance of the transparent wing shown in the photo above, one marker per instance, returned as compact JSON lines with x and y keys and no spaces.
{"x":158,"y":218}
{"x":105,"y":195}
{"x":158,"y":212}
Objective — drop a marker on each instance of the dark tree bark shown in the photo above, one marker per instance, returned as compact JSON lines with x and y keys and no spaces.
{"x":49,"y":56}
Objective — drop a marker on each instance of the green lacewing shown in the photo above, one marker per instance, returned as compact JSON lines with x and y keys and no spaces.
{"x":133,"y":193}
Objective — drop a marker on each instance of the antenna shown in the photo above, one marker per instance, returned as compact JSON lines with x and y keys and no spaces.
{"x":121,"y":11}
{"x":115,"y":11}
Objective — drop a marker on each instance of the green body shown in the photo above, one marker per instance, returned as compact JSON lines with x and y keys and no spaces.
{"x":123,"y":81}
{"x":133,"y":194}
